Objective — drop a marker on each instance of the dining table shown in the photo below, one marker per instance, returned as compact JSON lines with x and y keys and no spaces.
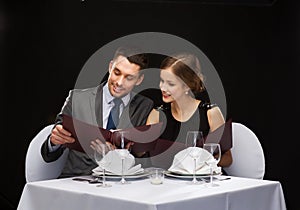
{"x":175,"y":193}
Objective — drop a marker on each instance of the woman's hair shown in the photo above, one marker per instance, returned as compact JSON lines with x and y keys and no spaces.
{"x":187,"y":67}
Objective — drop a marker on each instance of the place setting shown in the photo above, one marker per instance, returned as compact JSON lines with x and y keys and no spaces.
{"x":197,"y":163}
{"x":114,"y":169}
{"x":116,"y":164}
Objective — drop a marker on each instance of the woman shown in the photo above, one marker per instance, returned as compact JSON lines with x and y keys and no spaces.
{"x":180,"y":81}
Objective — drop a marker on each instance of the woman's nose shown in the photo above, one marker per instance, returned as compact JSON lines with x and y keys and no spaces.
{"x":162,"y":87}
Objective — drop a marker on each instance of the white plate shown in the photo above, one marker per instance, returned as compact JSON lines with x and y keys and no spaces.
{"x":108,"y":173}
{"x":114,"y":176}
{"x":187,"y":176}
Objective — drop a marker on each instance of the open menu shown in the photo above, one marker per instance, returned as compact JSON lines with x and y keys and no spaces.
{"x":222,"y":135}
{"x":144,"y":137}
{"x":162,"y":155}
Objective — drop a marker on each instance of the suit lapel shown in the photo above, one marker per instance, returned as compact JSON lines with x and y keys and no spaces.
{"x":126,"y":116}
{"x":96,"y":105}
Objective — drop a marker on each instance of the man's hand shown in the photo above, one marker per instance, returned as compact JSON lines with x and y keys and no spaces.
{"x":128,"y":145}
{"x":96,"y":144}
{"x":60,"y":136}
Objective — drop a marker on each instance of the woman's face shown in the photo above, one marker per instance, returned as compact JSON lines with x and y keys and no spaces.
{"x":171,"y":86}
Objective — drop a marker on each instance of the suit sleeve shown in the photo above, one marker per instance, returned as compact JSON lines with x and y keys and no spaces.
{"x":45,"y":151}
{"x":50,"y":156}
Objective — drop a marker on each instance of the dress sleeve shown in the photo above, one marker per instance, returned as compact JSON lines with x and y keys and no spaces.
{"x":207,"y":105}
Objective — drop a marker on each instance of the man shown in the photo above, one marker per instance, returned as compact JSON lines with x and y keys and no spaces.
{"x":93,"y":106}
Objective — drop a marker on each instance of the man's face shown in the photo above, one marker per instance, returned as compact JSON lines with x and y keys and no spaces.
{"x":123,"y":76}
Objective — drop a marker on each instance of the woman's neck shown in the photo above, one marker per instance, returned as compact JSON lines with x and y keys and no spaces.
{"x":182,"y":110}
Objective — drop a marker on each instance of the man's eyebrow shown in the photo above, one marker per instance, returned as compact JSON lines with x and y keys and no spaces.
{"x":131,"y":75}
{"x":116,"y":68}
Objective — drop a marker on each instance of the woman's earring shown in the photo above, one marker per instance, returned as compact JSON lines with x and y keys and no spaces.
{"x":186,"y":92}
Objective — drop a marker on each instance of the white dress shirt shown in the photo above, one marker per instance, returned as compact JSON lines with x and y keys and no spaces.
{"x":108,"y":104}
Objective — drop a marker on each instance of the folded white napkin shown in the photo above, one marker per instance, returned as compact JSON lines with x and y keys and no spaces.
{"x":114,"y":164}
{"x":183,"y":163}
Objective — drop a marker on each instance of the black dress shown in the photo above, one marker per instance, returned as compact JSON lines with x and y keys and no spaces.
{"x":176,"y":130}
{"x":172,"y":139}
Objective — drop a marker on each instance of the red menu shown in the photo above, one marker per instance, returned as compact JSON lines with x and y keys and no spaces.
{"x":144,"y":137}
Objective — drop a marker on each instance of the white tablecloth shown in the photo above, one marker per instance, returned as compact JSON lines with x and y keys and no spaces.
{"x":234,"y":194}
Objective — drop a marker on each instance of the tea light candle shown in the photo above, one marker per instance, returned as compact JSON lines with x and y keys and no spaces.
{"x":156,"y":176}
{"x":156,"y":180}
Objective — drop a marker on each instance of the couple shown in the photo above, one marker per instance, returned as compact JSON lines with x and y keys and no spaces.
{"x":180,"y":80}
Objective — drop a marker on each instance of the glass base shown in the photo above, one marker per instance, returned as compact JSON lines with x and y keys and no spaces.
{"x":123,"y":181}
{"x":105,"y":185}
{"x":211,"y":184}
{"x":195,"y":182}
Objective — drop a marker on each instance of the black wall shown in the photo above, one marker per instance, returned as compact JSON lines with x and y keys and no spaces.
{"x":254,"y":47}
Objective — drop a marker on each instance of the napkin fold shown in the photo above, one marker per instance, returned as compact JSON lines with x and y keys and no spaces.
{"x":183,"y":163}
{"x":114,"y":165}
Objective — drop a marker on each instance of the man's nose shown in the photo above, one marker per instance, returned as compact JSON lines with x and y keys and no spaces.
{"x":120,"y":80}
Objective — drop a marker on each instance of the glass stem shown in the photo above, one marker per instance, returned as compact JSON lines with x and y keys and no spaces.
{"x":123,"y":180}
{"x":194,"y":175}
{"x":103,"y":177}
{"x":211,"y":174}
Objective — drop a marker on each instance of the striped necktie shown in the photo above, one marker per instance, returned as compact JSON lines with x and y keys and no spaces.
{"x":113,"y":119}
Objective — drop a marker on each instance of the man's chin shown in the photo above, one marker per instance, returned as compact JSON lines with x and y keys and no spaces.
{"x":118,"y":94}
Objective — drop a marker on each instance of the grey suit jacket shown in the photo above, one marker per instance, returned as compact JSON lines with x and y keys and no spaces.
{"x":86,"y":105}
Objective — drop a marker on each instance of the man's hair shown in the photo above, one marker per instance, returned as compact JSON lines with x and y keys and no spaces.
{"x":134,"y":55}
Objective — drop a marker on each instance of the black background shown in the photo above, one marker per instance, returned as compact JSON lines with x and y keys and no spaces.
{"x":254,"y":46}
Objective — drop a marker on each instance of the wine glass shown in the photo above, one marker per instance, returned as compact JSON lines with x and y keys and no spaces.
{"x":123,"y":153}
{"x":194,"y":139}
{"x":215,"y":150}
{"x":102,"y":159}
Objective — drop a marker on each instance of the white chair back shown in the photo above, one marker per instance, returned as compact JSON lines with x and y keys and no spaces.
{"x":247,"y":153}
{"x":36,"y":169}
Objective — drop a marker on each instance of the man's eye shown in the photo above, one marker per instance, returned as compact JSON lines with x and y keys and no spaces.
{"x":117,"y":72}
{"x":129,"y":78}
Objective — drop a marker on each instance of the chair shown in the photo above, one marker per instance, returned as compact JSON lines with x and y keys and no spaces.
{"x":247,"y":153}
{"x":36,"y":169}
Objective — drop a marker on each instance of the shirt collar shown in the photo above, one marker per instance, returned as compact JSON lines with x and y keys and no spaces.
{"x":108,"y":98}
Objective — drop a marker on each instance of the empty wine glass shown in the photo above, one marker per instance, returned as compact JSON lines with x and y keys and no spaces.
{"x":123,"y":153}
{"x":102,"y":159}
{"x":215,"y":150}
{"x":194,"y":139}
